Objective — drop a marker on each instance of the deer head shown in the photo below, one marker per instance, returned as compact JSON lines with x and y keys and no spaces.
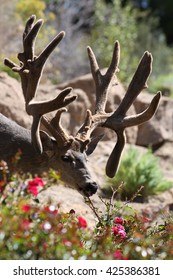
{"x":52,"y":145}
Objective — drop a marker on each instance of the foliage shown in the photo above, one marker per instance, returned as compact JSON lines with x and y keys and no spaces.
{"x":112,"y":22}
{"x":31,"y":230}
{"x":26,"y":8}
{"x":128,"y":25}
{"x":143,"y":170}
{"x":163,"y":82}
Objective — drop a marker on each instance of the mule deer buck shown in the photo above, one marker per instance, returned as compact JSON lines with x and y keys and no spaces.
{"x":52,"y":147}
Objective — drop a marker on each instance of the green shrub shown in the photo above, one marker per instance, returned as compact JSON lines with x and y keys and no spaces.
{"x":136,"y":170}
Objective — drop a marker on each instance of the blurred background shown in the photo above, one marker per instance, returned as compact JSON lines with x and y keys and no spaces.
{"x":139,"y":25}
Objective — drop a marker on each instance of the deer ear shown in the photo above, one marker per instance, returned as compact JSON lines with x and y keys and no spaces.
{"x":93,"y":144}
{"x":47,"y":142}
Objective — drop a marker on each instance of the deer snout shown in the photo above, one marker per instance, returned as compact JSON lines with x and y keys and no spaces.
{"x":90,"y":188}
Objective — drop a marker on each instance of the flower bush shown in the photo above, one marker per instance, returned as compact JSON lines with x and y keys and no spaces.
{"x":31,"y":230}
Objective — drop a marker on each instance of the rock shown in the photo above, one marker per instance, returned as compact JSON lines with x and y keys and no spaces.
{"x":159,"y":128}
{"x":12,"y":102}
{"x":165,"y":154}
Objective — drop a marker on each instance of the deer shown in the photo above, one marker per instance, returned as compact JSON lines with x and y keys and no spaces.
{"x":47,"y":144}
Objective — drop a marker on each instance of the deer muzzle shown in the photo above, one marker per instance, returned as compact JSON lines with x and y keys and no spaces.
{"x":89,"y":189}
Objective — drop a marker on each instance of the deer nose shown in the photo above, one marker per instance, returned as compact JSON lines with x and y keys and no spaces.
{"x":90,"y":188}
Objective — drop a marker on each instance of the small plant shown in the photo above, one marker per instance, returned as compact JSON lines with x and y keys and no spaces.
{"x":136,"y":170}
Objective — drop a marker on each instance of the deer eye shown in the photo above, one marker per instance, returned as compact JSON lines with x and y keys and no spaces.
{"x":67,"y":158}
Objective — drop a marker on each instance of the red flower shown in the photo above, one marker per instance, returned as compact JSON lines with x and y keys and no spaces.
{"x":26,"y":208}
{"x":33,"y":190}
{"x":82,"y":222}
{"x":115,"y":230}
{"x":34,"y":184}
{"x":119,"y":221}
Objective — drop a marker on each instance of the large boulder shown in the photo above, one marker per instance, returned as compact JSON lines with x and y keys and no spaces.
{"x":12,"y":102}
{"x":165,"y":154}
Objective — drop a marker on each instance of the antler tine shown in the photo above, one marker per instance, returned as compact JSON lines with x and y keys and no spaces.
{"x":102,"y":82}
{"x":138,"y":83}
{"x":115,"y":156}
{"x":145,"y":115}
{"x":29,"y":38}
{"x":83,"y":134}
{"x":28,"y":26}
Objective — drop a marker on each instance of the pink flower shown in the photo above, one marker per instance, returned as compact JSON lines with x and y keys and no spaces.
{"x":122,"y":234}
{"x":34,"y":184}
{"x":118,"y":255}
{"x":119,"y":230}
{"x":82,"y":222}
{"x":26,"y":208}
